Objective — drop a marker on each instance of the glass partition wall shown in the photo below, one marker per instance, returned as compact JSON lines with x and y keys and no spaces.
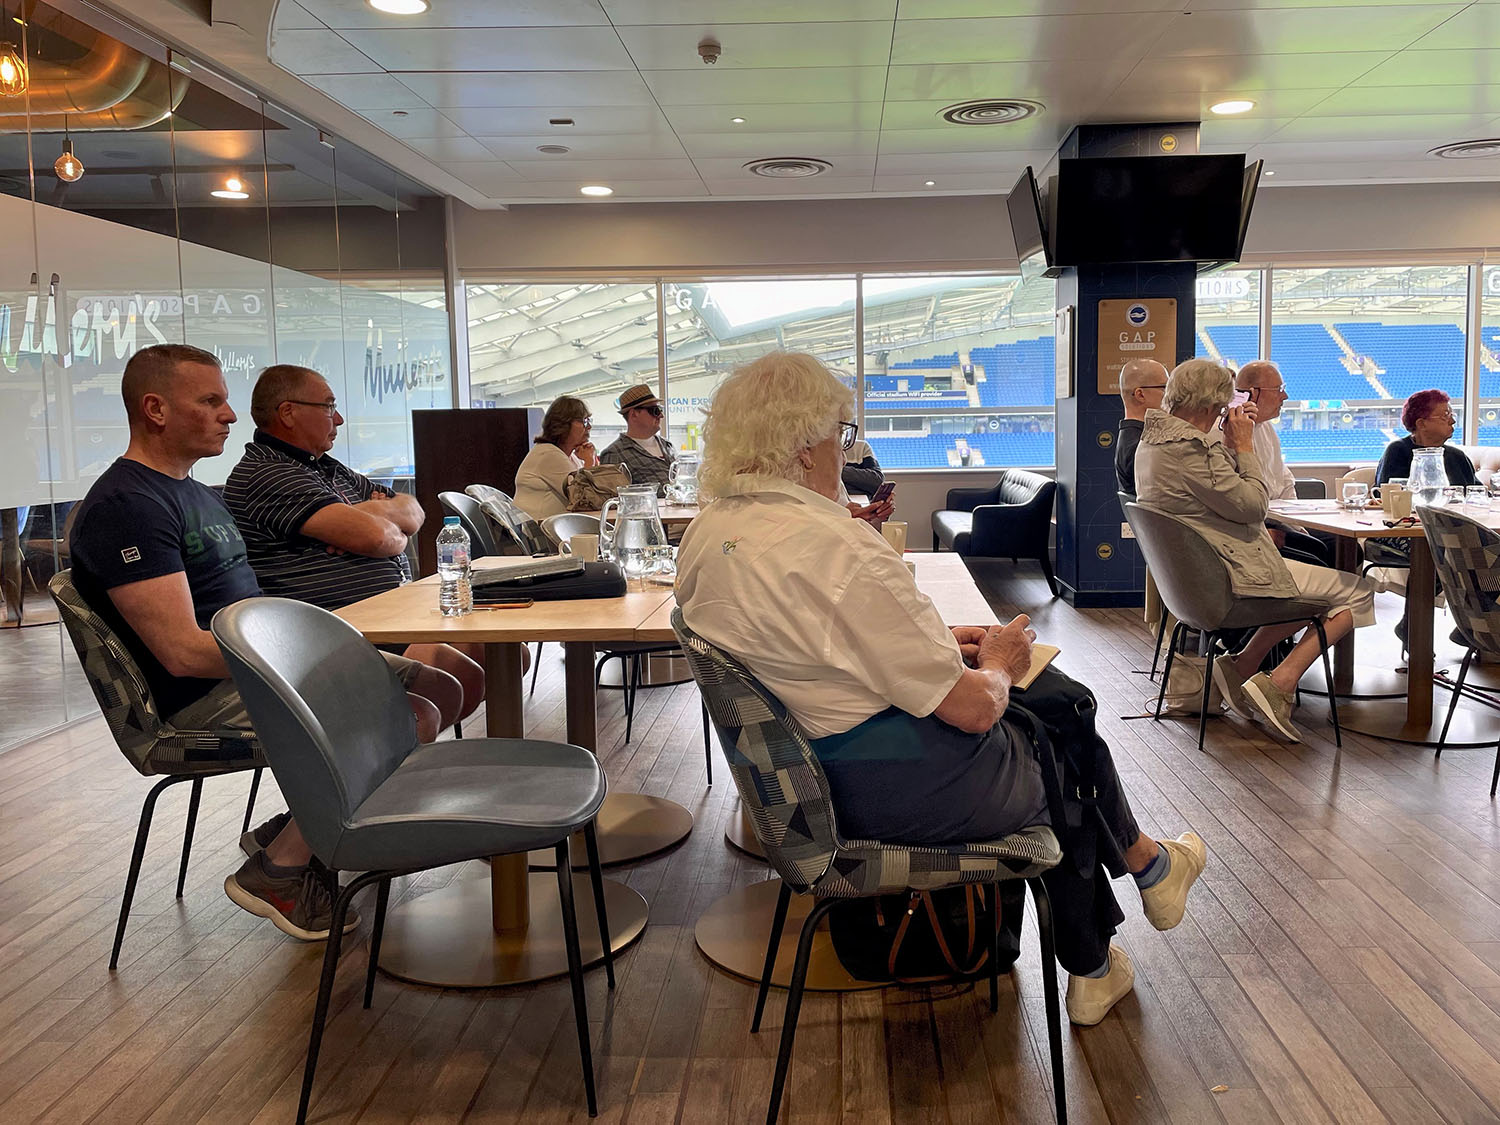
{"x":155,"y":203}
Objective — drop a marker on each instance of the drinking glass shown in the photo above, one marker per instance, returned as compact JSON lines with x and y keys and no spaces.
{"x":1477,"y":496}
{"x":1355,"y":494}
{"x":1453,"y":495}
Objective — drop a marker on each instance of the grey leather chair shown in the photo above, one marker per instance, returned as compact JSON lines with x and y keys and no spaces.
{"x":482,"y":539}
{"x":565,"y":525}
{"x":515,"y":529}
{"x":368,"y":798}
{"x":1194,"y":584}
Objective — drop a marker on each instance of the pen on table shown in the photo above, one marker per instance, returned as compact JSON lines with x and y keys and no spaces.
{"x":522,"y":603}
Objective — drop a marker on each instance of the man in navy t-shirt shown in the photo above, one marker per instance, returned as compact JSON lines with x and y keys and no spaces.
{"x":157,"y":554}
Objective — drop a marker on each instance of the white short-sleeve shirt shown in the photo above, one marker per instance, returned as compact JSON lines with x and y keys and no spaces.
{"x":1279,"y":478}
{"x":816,"y":604}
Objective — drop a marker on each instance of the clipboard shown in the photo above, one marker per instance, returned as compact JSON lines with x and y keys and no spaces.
{"x":1041,"y":656}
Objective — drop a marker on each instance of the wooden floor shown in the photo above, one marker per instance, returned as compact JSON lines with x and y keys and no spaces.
{"x":1340,"y":958}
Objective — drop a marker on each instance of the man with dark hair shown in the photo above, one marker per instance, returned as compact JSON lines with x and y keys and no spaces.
{"x":319,"y":532}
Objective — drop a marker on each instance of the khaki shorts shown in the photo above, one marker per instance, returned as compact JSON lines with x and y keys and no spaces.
{"x":222,"y":709}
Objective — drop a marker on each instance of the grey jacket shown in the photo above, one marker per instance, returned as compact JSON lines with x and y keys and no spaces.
{"x":1221,"y":493}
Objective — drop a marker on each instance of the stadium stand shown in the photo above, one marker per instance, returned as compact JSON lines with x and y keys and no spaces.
{"x":1489,"y":381}
{"x":1363,"y":444}
{"x":1018,"y":450}
{"x":1237,"y":343}
{"x":1312,"y":365}
{"x":1413,"y":356}
{"x":934,"y":363}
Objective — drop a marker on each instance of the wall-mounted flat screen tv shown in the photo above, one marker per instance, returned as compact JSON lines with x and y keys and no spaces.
{"x":1027,"y":227}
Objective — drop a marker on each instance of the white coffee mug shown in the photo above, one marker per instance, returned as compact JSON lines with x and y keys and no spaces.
{"x":1396,"y":502}
{"x":895,"y":534}
{"x":585,"y":547}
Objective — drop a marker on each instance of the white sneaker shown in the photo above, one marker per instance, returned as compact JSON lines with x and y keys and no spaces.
{"x":1272,"y":706}
{"x":1167,"y":899}
{"x":1091,"y":998}
{"x":1232,"y":686}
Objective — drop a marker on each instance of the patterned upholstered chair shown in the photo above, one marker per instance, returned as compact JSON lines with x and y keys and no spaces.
{"x":786,"y":792}
{"x":150,"y":744}
{"x":1467,"y":555}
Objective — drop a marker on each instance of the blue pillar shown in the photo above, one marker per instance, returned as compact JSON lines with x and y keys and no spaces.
{"x":1096,"y":564}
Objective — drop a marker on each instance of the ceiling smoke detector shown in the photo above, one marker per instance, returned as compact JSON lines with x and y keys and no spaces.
{"x":553,"y":150}
{"x":991,"y":111}
{"x":788,"y":167}
{"x":709,"y":51}
{"x":1468,"y":150}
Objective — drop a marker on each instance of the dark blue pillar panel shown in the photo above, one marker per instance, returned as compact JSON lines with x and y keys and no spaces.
{"x":1096,"y":565}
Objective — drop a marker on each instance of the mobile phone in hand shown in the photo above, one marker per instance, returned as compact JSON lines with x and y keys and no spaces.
{"x":883,"y":493}
{"x":1239,"y":399}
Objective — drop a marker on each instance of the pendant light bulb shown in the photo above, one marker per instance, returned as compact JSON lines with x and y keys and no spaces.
{"x":13,"y":78}
{"x":68,"y":167}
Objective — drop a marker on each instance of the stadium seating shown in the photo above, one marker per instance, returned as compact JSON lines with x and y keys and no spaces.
{"x":935,"y":363}
{"x":1413,"y":356}
{"x":1237,"y":343}
{"x":1015,"y":374}
{"x":1312,"y":365}
{"x":1363,"y":444}
{"x":930,"y":451}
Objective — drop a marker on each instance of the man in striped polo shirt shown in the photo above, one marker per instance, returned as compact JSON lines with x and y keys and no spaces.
{"x":316,"y":530}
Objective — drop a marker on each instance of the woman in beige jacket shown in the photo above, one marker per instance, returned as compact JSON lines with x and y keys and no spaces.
{"x":1184,"y":468}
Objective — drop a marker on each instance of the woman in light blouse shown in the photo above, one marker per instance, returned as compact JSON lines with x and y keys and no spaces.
{"x":562,"y":447}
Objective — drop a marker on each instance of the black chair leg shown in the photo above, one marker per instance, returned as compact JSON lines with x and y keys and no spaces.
{"x":1047,"y":572}
{"x":142,"y":831}
{"x":632,"y":672}
{"x":1458,"y":689}
{"x":187,"y":836}
{"x":575,"y":972}
{"x":1333,"y":699}
{"x":382,"y":898}
{"x":1208,"y":683}
{"x":995,"y":950}
{"x":1495,"y":777}
{"x":250,"y":804}
{"x":778,"y":923}
{"x":458,"y":729}
{"x":536,"y":666}
{"x":1161,"y":631}
{"x":1043,"y":906}
{"x":1166,"y":673}
{"x":596,"y":877}
{"x":708,"y":747}
{"x":794,"y":1004}
{"x":325,"y":985}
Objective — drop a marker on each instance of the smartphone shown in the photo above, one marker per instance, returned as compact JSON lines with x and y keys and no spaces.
{"x":1239,"y":399}
{"x":883,"y":493}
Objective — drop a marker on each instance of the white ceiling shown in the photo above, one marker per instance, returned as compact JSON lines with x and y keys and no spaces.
{"x":1346,"y":92}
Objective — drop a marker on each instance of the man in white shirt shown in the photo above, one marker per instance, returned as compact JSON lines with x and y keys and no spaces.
{"x":1261,"y":380}
{"x":641,"y":448}
{"x":905,"y":713}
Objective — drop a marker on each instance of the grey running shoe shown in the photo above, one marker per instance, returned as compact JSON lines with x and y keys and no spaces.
{"x":1272,"y":707}
{"x":258,"y":839}
{"x":298,"y":904}
{"x":1232,"y":686}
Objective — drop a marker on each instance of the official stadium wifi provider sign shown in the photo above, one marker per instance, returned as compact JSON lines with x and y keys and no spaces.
{"x":1145,"y":329}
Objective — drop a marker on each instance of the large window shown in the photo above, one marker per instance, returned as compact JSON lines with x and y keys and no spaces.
{"x":1489,"y":358}
{"x":1353,"y":343}
{"x":959,"y":371}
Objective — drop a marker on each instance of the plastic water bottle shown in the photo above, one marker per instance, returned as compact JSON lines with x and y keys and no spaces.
{"x":455,"y":594}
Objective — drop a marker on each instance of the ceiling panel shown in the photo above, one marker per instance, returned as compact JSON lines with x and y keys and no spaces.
{"x":965,"y":9}
{"x":747,"y":146}
{"x":712,"y":86}
{"x":725,"y":169}
{"x":291,"y":15}
{"x":1479,"y":23}
{"x":528,"y":88}
{"x":865,"y":43}
{"x":560,"y":190}
{"x":320,"y":52}
{"x":535,"y":121}
{"x":953,"y":82}
{"x":1241,"y":73}
{"x":1473,"y":65}
{"x":1360,"y":101}
{"x":660,"y":144}
{"x":979,"y":183}
{"x":927,"y":117}
{"x":518,"y":48}
{"x":449,"y":148}
{"x":1021,"y":38}
{"x":1037,"y":133}
{"x":980,"y":163}
{"x":1431,"y":130}
{"x":852,"y":117}
{"x":706,"y":14}
{"x":829,"y":184}
{"x":492,"y":178}
{"x":424,"y":122}
{"x":366,"y":91}
{"x":463,"y":13}
{"x":1140,"y":104}
{"x":1304,"y":29}
{"x":603,"y":171}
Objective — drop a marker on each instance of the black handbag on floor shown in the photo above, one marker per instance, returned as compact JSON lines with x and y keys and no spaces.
{"x":919,"y":935}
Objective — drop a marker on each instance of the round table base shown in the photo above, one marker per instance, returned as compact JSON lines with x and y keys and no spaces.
{"x":741,"y":834}
{"x":732,"y":933}
{"x":630,"y":826}
{"x":1369,"y":683}
{"x":448,"y":939}
{"x":1473,"y":725}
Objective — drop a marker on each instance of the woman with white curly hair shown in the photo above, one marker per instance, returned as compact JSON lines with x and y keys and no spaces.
{"x":906,"y":714}
{"x":1219,"y":486}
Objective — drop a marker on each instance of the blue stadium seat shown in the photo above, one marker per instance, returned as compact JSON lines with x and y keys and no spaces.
{"x":1312,"y":365}
{"x":1413,"y":356}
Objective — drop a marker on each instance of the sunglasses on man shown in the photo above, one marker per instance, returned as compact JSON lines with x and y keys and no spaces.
{"x":654,"y":411}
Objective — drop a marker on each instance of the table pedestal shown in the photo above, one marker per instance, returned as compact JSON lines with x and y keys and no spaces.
{"x":741,"y":833}
{"x":732,"y":933}
{"x":479,"y":933}
{"x":1473,"y":723}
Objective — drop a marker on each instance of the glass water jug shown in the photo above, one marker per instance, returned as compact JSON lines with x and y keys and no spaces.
{"x":1428,"y":476}
{"x":636,"y":539}
{"x":682,"y":479}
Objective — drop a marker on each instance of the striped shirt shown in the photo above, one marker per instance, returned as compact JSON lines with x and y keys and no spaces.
{"x":272,"y":492}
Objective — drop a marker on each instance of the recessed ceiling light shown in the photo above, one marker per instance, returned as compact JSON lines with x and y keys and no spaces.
{"x":737,"y":120}
{"x":232,"y":189}
{"x":1232,"y":106}
{"x":400,"y":7}
{"x":930,"y":183}
{"x":597,"y":189}
{"x":1269,"y":172}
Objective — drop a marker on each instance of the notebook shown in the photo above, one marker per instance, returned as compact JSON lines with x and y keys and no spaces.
{"x":492,"y":569}
{"x":1041,"y":656}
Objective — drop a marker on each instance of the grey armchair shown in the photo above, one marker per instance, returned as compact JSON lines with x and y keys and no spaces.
{"x":1011,"y":519}
{"x":368,"y":798}
{"x":1194,"y":585}
{"x":482,"y":540}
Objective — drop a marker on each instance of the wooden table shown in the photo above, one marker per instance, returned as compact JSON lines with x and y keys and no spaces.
{"x":507,"y":930}
{"x":1409,"y":716}
{"x":732,"y":933}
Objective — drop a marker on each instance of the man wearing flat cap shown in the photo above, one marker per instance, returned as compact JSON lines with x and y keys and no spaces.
{"x":641,"y":449}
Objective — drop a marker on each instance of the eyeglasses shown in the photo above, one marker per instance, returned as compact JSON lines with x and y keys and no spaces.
{"x":1404,"y":521}
{"x":587,"y":422}
{"x":1152,"y":387}
{"x":848,"y":431}
{"x":1280,"y":389}
{"x":329,"y":408}
{"x":654,"y":411}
